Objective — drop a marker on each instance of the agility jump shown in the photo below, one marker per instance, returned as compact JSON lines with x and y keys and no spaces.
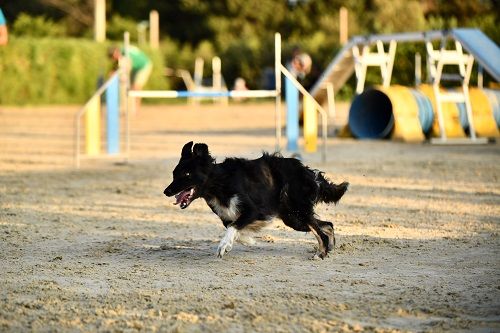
{"x":91,"y":111}
{"x":293,"y":88}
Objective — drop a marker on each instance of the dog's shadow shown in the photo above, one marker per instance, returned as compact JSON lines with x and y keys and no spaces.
{"x":174,"y":250}
{"x":170,"y":250}
{"x":206,"y":250}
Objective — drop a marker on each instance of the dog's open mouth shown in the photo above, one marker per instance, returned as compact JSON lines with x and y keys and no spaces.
{"x":184,"y":198}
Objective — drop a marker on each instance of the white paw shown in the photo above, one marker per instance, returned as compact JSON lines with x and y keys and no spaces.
{"x":316,"y":257}
{"x":224,"y":247}
{"x":226,"y":243}
{"x":246,"y":240}
{"x":319,"y":256}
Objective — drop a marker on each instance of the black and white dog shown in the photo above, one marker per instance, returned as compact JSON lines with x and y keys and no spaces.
{"x":244,"y":193}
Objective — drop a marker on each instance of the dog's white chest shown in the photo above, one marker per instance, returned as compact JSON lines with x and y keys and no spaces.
{"x":229,"y":213}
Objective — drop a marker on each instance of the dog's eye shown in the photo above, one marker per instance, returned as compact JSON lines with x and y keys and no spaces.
{"x":188,"y":174}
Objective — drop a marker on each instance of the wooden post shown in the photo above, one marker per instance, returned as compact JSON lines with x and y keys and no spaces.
{"x":217,"y":79}
{"x":277,"y":87}
{"x":141,"y":33}
{"x":100,"y":20}
{"x":154,"y":29}
{"x":480,"y":76}
{"x":198,"y":71}
{"x":216,"y":74}
{"x":418,"y":69}
{"x":343,"y":31}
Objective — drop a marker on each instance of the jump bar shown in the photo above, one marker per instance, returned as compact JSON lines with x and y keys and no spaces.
{"x":209,"y":94}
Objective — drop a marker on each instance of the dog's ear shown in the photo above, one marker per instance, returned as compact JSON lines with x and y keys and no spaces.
{"x":186,"y":150}
{"x":200,"y":149}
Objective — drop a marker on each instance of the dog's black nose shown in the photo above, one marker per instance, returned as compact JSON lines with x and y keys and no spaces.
{"x":167,"y":192}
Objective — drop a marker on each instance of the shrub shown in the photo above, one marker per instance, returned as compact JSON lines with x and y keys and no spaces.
{"x":58,"y":71}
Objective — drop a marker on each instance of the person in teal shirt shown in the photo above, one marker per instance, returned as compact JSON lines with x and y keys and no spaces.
{"x":139,"y":65}
{"x":4,"y":35}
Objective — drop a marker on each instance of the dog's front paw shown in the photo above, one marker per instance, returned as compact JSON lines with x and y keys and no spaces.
{"x":223,"y":248}
{"x":226,"y":243}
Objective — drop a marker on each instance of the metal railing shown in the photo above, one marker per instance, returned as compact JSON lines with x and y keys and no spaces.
{"x":319,"y":108}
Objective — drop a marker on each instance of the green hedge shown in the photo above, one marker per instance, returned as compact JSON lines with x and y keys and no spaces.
{"x":58,"y":71}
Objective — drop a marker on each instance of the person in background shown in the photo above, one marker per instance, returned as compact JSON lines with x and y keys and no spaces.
{"x":240,"y":85}
{"x":300,"y":65}
{"x":4,"y":34}
{"x":138,"y":63}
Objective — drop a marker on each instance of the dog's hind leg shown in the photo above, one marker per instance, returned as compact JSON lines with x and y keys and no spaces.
{"x":321,"y":230}
{"x":328,"y":229}
{"x":322,"y":237}
{"x":297,"y":213}
{"x":325,"y":234}
{"x":245,"y":239}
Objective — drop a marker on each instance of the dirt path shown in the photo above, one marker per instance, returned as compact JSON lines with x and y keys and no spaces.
{"x":102,"y":249}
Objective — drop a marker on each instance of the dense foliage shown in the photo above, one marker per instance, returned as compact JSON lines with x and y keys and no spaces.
{"x":56,"y":71}
{"x":238,"y":31}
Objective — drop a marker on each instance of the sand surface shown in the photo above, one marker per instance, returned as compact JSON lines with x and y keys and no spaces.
{"x":101,"y":248}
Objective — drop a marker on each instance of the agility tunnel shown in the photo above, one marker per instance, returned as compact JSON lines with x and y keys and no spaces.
{"x":485,"y":112}
{"x":409,"y":114}
{"x":398,"y":112}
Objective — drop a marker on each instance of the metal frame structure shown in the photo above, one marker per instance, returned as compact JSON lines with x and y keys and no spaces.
{"x":485,"y":52}
{"x":194,"y":84}
{"x":436,"y":60}
{"x":382,"y":59}
{"x":355,"y":56}
{"x":319,"y":108}
{"x":124,"y":78}
{"x":131,"y":95}
{"x":276,"y":93}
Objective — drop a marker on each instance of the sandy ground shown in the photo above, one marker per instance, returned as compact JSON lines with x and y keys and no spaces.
{"x":101,"y":248}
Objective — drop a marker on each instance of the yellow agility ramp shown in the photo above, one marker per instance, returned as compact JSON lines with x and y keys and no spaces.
{"x":93,"y":127}
{"x":310,"y":124}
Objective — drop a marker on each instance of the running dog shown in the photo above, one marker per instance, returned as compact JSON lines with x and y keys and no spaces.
{"x":247,"y":193}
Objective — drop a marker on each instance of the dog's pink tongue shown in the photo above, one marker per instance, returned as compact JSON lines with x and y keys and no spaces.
{"x":180,"y":197}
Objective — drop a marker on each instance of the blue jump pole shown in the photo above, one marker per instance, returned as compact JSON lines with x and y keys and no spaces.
{"x":183,"y":93}
{"x":113,"y":116}
{"x":292,"y":116}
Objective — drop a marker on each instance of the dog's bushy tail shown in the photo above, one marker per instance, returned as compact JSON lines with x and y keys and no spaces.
{"x":328,"y":191}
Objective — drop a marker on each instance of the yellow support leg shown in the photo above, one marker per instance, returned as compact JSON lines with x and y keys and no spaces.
{"x":310,"y":125}
{"x":93,"y":127}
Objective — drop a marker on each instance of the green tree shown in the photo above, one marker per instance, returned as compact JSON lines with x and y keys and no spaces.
{"x":462,"y":11}
{"x":391,"y":16}
{"x":37,"y":26}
